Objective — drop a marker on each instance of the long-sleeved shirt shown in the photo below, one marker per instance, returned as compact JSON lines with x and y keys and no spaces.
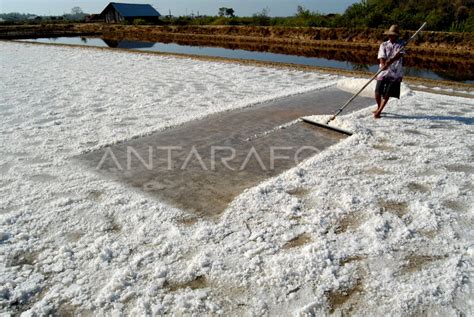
{"x":387,"y":51}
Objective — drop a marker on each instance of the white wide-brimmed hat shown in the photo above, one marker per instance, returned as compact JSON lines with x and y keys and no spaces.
{"x":392,"y":31}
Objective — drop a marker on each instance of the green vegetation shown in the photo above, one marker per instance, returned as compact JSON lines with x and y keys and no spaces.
{"x":139,"y":22}
{"x":76,"y":15}
{"x":442,"y":15}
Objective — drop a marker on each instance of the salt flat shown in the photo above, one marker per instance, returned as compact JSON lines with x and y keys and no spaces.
{"x":379,"y":223}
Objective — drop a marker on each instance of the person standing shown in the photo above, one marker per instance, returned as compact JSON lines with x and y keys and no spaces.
{"x":391,"y":61}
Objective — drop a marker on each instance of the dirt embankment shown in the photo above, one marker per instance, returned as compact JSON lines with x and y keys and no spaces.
{"x":448,"y":53}
{"x":440,"y":42}
{"x":48,"y":30}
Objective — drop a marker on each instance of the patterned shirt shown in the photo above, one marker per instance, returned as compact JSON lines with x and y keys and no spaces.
{"x":387,"y":51}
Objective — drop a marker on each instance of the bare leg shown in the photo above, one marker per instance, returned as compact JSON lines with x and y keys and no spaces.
{"x":381,"y":107}
{"x":378,"y":98}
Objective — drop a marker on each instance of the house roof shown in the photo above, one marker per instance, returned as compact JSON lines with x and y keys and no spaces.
{"x":134,"y":10}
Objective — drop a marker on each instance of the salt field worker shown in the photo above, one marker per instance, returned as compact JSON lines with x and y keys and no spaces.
{"x":389,"y":80}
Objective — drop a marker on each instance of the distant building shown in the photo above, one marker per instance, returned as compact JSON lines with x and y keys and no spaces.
{"x":34,"y":18}
{"x":94,"y":18}
{"x":119,"y":12}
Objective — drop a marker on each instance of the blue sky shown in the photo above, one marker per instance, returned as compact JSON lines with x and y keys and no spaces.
{"x":178,"y":7}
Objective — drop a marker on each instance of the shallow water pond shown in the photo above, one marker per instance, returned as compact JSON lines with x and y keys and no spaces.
{"x":339,"y":59}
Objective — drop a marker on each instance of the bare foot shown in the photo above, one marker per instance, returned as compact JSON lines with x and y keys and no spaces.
{"x":375,"y":111}
{"x":376,"y":115}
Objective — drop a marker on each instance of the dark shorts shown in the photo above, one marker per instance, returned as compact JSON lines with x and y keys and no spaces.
{"x":387,"y":88}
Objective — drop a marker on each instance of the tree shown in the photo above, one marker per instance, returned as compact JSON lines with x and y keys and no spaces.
{"x":410,"y":14}
{"x":77,"y":11}
{"x":230,"y":12}
{"x":262,"y":17}
{"x":264,"y":13}
{"x":76,"y":14}
{"x":302,"y":12}
{"x":227,"y":12}
{"x":357,"y":14}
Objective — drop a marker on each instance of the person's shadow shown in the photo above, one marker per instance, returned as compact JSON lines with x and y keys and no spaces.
{"x":464,"y":120}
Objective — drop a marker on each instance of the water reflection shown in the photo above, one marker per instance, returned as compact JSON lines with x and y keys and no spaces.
{"x":360,"y":67}
{"x":432,"y":67}
{"x":132,"y":45}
